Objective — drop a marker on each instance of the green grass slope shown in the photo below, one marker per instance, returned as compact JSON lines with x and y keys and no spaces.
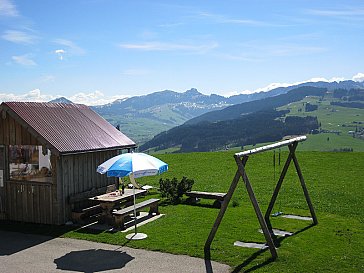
{"x":336,"y":190}
{"x":336,"y":123}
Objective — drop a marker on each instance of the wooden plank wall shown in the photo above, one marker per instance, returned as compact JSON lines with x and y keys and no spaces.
{"x":12,"y":133}
{"x":26,"y":201}
{"x":79,"y":175}
{"x":2,"y":187}
{"x":30,"y":201}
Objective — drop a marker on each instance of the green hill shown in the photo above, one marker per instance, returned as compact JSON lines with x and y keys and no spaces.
{"x":342,"y":128}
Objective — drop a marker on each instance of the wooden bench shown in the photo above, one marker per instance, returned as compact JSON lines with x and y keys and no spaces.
{"x":81,"y":215}
{"x":120,"y":215}
{"x":217,"y":196}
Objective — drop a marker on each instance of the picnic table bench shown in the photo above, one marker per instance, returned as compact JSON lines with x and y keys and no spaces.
{"x":217,"y":196}
{"x":120,"y":215}
{"x":80,"y":215}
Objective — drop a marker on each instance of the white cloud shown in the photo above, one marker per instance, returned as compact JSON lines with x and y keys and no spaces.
{"x":24,"y":60}
{"x":93,"y":98}
{"x":160,"y":46}
{"x":60,"y":53}
{"x":7,"y":8}
{"x":72,"y":48}
{"x":346,"y":15}
{"x":358,"y":77}
{"x":19,"y":37}
{"x":34,"y":95}
{"x":348,"y":12}
{"x":222,"y":19}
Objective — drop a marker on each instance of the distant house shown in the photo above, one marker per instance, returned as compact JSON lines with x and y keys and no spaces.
{"x":49,"y":153}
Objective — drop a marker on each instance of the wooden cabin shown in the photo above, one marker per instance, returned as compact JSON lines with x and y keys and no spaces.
{"x":49,"y":153}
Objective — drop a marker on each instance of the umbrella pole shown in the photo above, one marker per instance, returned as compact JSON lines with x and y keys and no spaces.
{"x":135,"y":216}
{"x":135,"y":236}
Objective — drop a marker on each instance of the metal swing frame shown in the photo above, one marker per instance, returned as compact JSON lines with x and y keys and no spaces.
{"x":241,"y":160}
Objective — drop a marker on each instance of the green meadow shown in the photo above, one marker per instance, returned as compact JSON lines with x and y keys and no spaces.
{"x":334,"y":181}
{"x":336,"y":122}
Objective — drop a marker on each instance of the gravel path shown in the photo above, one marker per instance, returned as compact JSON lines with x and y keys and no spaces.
{"x":34,"y":253}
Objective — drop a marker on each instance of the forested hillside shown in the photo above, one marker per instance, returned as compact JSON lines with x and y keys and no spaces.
{"x":263,"y":126}
{"x":236,"y":111}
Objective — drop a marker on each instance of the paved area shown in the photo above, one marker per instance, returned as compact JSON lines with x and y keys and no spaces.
{"x":33,"y":253}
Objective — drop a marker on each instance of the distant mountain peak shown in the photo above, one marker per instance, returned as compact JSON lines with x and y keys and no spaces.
{"x":193,"y":92}
{"x":61,"y":100}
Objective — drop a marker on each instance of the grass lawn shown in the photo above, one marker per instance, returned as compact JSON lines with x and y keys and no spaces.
{"x":336,"y":187}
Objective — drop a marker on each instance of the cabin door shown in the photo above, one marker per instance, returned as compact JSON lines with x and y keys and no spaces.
{"x":2,"y":178}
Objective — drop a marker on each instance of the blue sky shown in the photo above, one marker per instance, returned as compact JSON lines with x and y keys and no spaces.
{"x":94,"y":51}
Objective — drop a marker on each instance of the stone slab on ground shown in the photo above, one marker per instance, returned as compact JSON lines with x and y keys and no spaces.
{"x":279,"y":232}
{"x":250,"y":245}
{"x":297,"y":217}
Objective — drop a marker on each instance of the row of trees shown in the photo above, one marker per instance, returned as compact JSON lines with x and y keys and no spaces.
{"x":358,"y":105}
{"x":349,"y":95}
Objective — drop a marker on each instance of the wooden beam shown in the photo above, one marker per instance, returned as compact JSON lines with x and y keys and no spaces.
{"x":271,"y":146}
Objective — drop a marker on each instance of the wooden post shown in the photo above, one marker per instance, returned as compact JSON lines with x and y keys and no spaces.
{"x":303,"y":185}
{"x":223,"y":208}
{"x":279,"y":183}
{"x":258,"y":212}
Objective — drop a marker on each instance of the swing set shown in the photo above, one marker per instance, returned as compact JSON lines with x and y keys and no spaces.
{"x":241,"y":160}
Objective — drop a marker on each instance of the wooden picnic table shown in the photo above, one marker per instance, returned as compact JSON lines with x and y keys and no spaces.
{"x":109,"y":201}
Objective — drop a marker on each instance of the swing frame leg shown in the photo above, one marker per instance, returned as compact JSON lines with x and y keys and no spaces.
{"x":223,"y":208}
{"x":241,"y":173}
{"x":303,"y":185}
{"x":257,"y":209}
{"x":291,"y":156}
{"x":278,"y":187}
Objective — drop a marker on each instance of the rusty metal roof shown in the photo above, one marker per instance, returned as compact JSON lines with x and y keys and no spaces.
{"x":68,"y":128}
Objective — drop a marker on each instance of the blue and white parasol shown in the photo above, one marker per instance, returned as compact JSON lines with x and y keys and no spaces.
{"x":134,"y":165}
{"x":138,"y":164}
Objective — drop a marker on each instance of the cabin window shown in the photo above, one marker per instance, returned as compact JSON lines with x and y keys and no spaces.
{"x":28,"y":162}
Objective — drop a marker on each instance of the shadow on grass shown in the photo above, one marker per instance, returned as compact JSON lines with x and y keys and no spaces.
{"x":89,"y":230}
{"x":186,"y":202}
{"x":277,"y":242}
{"x":237,"y":269}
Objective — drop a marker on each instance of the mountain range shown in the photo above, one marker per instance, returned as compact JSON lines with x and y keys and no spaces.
{"x":303,"y":110}
{"x":143,"y":117}
{"x":241,"y":124}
